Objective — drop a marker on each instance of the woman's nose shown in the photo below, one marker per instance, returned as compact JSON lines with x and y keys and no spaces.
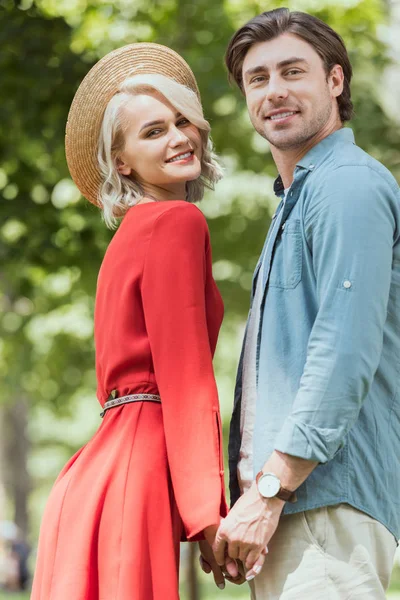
{"x":178,"y":137}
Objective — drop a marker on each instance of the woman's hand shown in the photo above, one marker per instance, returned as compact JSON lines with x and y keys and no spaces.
{"x":208,"y":564}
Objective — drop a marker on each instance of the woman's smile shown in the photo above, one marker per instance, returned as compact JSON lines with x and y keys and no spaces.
{"x":182,"y":158}
{"x":162,"y":147}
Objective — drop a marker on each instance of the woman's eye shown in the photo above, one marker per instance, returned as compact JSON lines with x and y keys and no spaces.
{"x":183,"y":122}
{"x":153,"y":132}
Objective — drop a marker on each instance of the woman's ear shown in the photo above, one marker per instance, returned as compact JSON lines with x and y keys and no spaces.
{"x":123,"y":167}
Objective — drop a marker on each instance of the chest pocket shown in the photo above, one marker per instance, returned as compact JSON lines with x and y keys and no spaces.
{"x":287,"y":261}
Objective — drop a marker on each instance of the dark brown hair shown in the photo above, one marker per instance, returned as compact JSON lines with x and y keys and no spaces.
{"x":269,"y":25}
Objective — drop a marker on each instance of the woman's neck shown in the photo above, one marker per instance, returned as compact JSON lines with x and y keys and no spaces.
{"x":155,"y":193}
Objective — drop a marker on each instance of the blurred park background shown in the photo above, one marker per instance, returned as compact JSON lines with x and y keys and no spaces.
{"x":52,"y":240}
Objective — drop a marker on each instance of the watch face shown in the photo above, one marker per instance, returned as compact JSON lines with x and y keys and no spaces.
{"x":269,"y":485}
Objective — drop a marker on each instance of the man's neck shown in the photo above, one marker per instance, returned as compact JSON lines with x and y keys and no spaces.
{"x":286,"y":160}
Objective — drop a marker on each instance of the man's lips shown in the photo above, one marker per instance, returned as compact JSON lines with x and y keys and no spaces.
{"x":281,"y":114}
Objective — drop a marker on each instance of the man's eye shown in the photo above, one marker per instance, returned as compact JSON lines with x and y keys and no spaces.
{"x":258,"y":79}
{"x":293,"y":72}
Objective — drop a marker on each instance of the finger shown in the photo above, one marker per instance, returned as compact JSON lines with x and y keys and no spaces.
{"x":241,"y":578}
{"x":205,"y":566}
{"x":233,"y":550}
{"x":256,"y":568}
{"x":231,"y":567}
{"x":237,"y":580}
{"x":218,"y":577}
{"x":252,"y":557}
{"x":219,"y":547}
{"x":244,"y":551}
{"x":240,"y":567}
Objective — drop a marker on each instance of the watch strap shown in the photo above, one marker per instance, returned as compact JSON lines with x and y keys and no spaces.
{"x":286,"y":495}
{"x":283,"y":494}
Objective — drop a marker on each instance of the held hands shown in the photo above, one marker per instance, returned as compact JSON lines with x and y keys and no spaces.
{"x":245,"y":533}
{"x":227,"y":571}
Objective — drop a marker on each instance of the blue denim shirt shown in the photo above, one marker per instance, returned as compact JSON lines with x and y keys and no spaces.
{"x":328,"y":351}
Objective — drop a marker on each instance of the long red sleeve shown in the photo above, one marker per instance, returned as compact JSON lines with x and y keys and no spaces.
{"x":176,"y":286}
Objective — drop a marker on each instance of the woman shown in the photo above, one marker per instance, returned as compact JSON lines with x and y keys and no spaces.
{"x":138,"y":146}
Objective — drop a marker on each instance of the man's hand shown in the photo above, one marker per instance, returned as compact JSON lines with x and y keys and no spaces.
{"x":245,"y":533}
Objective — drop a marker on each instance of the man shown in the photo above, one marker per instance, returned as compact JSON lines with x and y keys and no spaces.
{"x":317,"y":407}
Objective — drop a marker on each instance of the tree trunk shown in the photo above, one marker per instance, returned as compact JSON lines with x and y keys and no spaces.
{"x":192,"y":580}
{"x":14,"y":455}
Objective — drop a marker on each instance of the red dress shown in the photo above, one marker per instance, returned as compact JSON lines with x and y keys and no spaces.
{"x":152,"y":473}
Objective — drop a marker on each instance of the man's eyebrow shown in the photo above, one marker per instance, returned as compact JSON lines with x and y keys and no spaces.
{"x":158,"y":122}
{"x":283,"y":63}
{"x":290,"y":61}
{"x":255,"y":70}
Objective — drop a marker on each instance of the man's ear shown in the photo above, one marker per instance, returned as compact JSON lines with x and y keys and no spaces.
{"x":336,"y":80}
{"x":123,"y":167}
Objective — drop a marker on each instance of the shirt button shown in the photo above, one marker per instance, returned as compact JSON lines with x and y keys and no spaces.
{"x":311,"y":167}
{"x":347,"y":284}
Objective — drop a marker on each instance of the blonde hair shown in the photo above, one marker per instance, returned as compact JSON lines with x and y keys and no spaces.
{"x":118,"y":192}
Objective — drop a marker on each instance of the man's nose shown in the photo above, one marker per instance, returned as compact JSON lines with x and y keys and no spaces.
{"x":276,"y":89}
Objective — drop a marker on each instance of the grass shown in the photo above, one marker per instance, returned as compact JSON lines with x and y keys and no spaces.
{"x":210,"y":592}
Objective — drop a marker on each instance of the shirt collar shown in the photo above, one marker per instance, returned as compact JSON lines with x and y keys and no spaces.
{"x":318,"y":153}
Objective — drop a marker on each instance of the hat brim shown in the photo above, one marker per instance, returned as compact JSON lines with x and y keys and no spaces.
{"x":94,"y":93}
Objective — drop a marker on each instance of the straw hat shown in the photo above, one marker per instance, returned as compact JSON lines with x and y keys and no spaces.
{"x":94,"y":93}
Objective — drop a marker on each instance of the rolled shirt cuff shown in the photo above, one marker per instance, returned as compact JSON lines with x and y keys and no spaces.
{"x":308,"y":442}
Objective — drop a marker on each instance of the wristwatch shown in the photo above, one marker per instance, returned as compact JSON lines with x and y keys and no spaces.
{"x":269,"y":486}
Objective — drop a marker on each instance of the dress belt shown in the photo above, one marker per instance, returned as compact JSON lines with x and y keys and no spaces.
{"x":128,"y":399}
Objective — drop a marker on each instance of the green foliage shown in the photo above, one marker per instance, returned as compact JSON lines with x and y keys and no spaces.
{"x":43,"y":236}
{"x":52,"y":241}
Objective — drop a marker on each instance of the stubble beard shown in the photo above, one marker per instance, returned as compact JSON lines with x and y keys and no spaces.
{"x":285,"y":139}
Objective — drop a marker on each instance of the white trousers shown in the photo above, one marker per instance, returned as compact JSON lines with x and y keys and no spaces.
{"x":329,"y":553}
